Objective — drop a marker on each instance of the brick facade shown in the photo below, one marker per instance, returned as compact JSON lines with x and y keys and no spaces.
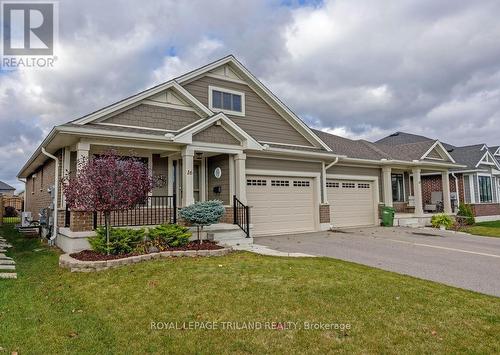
{"x":324,"y":213}
{"x":431,"y":183}
{"x":486,"y":209}
{"x":81,"y":221}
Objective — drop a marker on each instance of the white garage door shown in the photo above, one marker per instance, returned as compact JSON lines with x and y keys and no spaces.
{"x":351,"y":203}
{"x":280,"y":204}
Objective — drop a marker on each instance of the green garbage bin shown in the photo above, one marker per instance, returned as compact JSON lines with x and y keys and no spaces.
{"x":388,"y":216}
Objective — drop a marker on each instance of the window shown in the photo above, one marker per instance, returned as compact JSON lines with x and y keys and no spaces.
{"x":485,"y":193}
{"x":280,"y":183}
{"x":332,"y":184}
{"x":397,"y":188}
{"x":256,"y":182}
{"x":301,"y":183}
{"x":348,"y":185}
{"x":363,"y":186}
{"x":225,"y":100}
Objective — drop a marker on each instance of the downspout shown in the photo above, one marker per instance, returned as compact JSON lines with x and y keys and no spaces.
{"x":456,"y":189}
{"x":323,"y":175}
{"x":25,"y":194}
{"x":56,"y":191}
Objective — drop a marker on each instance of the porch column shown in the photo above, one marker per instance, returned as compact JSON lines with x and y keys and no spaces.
{"x":445,"y":178}
{"x":187,"y":176}
{"x":82,"y":154}
{"x":240,"y":177}
{"x":417,"y":191}
{"x":387,"y":184}
{"x":324,"y":194}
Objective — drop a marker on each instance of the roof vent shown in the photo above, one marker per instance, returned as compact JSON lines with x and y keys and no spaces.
{"x":394,"y":134}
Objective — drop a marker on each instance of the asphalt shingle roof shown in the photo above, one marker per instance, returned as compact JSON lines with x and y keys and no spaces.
{"x":5,"y":186}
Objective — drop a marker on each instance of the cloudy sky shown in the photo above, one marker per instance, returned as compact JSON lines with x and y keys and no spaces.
{"x":361,"y":69}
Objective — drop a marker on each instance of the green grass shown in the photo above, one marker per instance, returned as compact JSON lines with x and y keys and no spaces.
{"x":50,"y":310}
{"x":488,"y":229}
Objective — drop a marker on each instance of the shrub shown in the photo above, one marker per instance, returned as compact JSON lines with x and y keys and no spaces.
{"x":439,"y":220}
{"x":10,"y":212}
{"x":202,"y":214}
{"x":465,"y":211}
{"x":169,"y":235}
{"x":121,"y":240}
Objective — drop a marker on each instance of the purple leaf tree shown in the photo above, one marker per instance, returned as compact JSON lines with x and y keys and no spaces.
{"x":107,"y":183}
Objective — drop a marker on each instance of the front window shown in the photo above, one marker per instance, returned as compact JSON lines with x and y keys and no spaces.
{"x":228,"y":101}
{"x":397,"y":188}
{"x":485,"y":192}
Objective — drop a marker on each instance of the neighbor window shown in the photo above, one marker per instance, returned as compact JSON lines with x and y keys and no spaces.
{"x":485,"y":193}
{"x":228,"y":101}
{"x":397,"y":188}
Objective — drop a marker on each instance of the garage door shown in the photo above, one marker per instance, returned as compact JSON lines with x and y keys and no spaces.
{"x":351,"y":203}
{"x":280,"y":204}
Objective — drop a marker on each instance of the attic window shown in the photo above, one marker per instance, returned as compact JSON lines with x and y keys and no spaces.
{"x":227,"y":101}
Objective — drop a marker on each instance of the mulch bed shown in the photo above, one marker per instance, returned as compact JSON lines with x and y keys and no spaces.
{"x":90,"y":255}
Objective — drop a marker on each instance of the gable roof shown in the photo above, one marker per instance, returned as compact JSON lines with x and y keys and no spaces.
{"x":398,"y":138}
{"x":469,"y":155}
{"x":5,"y":186}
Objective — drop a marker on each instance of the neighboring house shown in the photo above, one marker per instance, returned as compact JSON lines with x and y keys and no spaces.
{"x":6,"y":189}
{"x":477,"y":182}
{"x":218,"y":132}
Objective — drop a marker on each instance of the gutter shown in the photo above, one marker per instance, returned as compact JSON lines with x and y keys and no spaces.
{"x":324,"y":196}
{"x":56,"y":192}
{"x":25,"y":194}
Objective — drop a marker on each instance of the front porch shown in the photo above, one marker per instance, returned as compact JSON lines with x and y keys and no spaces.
{"x":414,"y":207}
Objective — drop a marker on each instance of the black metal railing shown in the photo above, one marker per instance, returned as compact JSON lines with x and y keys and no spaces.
{"x":67,"y":217}
{"x":155,"y":210}
{"x":241,"y":216}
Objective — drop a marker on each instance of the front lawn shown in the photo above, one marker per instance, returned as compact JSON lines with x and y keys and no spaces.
{"x":488,"y":229}
{"x":50,"y":310}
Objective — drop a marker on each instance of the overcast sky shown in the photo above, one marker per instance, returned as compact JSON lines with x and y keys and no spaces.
{"x":361,"y":69}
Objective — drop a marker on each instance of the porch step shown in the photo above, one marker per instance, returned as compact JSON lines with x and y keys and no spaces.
{"x":228,"y":234}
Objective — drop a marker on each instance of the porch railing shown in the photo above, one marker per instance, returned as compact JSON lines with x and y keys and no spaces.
{"x":241,"y":216}
{"x":155,"y":210}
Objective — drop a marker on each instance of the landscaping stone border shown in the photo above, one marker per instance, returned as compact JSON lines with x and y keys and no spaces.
{"x":75,"y":265}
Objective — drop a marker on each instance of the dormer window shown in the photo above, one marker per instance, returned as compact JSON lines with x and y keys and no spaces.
{"x":227,"y":101}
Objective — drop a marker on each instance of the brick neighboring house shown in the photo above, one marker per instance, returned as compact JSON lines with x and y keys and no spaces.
{"x":478,"y":182}
{"x":218,"y":133}
{"x":6,"y":189}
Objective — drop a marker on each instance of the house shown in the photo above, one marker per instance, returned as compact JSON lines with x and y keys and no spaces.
{"x":6,"y":189}
{"x":218,"y":133}
{"x":477,"y":182}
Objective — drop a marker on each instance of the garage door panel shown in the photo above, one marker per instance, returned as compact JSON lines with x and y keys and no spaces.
{"x":351,"y":202}
{"x":280,"y":208}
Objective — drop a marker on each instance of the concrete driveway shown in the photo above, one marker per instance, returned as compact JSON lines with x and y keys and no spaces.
{"x":455,"y":259}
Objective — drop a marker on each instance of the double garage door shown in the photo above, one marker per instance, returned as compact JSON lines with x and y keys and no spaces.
{"x":352,"y":202}
{"x":281,"y":204}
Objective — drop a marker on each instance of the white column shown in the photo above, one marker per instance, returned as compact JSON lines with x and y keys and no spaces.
{"x":231,"y":178}
{"x":203,"y":179}
{"x":170,"y":176}
{"x":445,"y":178}
{"x":417,"y":191}
{"x":82,"y":154}
{"x":187,"y":176}
{"x":240,"y":177}
{"x":324,"y":195}
{"x":387,"y":185}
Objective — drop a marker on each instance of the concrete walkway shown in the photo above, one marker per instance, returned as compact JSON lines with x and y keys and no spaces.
{"x":456,"y":259}
{"x":7,"y":265}
{"x":263,"y":250}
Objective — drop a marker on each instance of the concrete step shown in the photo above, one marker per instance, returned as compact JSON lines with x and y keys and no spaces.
{"x":7,"y":262}
{"x":4,"y":257}
{"x":7,"y":267}
{"x":8,"y":275}
{"x":237,"y":242}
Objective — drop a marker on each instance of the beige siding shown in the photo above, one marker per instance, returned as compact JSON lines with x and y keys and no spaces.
{"x":261,"y":120}
{"x":149,"y":116}
{"x":353,"y":170}
{"x":282,"y":165}
{"x":215,"y":134}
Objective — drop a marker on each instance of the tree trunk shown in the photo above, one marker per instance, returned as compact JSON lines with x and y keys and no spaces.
{"x":106,"y":222}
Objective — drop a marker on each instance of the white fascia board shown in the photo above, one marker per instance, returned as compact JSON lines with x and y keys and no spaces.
{"x":144,"y":95}
{"x":301,"y":153}
{"x":299,"y":124}
{"x":112,"y":134}
{"x":493,"y":159}
{"x":248,"y":141}
{"x":443,"y":149}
